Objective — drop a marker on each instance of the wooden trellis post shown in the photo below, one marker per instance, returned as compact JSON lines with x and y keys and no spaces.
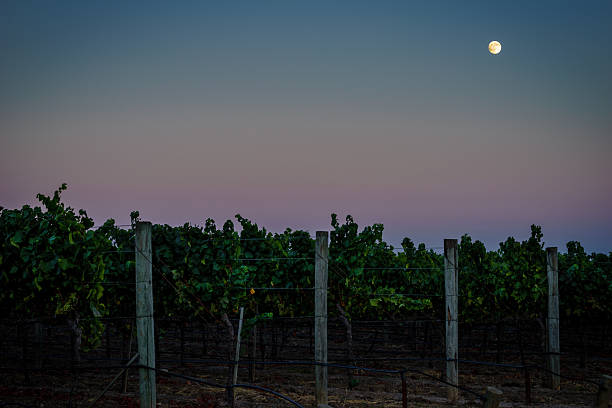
{"x":492,"y":397}
{"x":553,"y":362}
{"x":321,"y":258}
{"x":604,"y":394}
{"x":451,"y":258}
{"x":144,"y":314}
{"x":237,"y":355}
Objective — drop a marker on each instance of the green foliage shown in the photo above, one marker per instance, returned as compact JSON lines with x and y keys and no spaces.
{"x":196,"y":269}
{"x":211,"y":271}
{"x":522,"y":266}
{"x":284,"y":263}
{"x":509,"y":283}
{"x":368,"y":278}
{"x":585,"y":282}
{"x":53,"y":263}
{"x":119,"y":262}
{"x":480,"y":285}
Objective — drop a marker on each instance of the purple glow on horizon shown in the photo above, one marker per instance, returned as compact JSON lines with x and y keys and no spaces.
{"x":287,"y":113}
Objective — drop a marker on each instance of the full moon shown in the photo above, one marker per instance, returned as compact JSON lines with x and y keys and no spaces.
{"x":494,"y":47}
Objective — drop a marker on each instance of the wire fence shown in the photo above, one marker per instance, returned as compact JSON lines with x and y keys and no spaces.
{"x":392,"y":347}
{"x":388,"y":347}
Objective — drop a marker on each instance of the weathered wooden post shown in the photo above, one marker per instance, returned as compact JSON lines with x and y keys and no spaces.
{"x":527,"y":385}
{"x":552,"y":322}
{"x":237,"y":356}
{"x":321,"y":255}
{"x":492,"y":397}
{"x":404,"y":390}
{"x":75,"y":340}
{"x":451,"y":258}
{"x":604,"y":394}
{"x":144,"y":314}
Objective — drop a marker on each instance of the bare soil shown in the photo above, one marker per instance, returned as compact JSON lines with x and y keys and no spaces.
{"x":58,"y":383}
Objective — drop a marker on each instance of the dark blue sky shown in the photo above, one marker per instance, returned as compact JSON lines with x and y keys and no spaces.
{"x":394,"y":112}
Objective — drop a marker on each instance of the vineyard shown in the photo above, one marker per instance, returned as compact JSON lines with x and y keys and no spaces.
{"x":69,"y":311}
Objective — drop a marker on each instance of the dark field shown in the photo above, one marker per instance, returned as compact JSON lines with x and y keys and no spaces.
{"x":40,"y":372}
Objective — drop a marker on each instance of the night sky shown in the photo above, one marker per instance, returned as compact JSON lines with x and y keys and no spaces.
{"x":286,"y":111}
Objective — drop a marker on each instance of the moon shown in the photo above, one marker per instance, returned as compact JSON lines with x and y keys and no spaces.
{"x":494,"y":47}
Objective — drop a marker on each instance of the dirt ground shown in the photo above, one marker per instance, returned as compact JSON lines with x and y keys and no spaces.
{"x":61,"y":389}
{"x":191,"y":352}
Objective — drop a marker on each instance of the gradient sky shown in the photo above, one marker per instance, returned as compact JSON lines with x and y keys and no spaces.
{"x":286,"y":111}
